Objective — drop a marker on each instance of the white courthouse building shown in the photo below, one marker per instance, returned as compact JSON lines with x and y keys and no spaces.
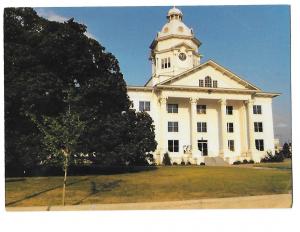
{"x":202,"y":112}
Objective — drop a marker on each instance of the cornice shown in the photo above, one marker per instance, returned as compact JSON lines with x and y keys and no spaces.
{"x":193,"y":38}
{"x":139,"y":88}
{"x":256,"y":93}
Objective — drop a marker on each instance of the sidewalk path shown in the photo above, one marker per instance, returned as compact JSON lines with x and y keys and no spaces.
{"x":264,"y":201}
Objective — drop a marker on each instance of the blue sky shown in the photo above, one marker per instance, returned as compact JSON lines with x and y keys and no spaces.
{"x":251,"y":41}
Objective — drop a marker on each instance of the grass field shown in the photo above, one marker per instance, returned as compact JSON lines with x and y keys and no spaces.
{"x":287,"y":164}
{"x":162,"y":184}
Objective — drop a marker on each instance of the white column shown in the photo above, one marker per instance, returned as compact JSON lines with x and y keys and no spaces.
{"x":251,"y":145}
{"x":193,"y":129}
{"x":153,"y":66}
{"x":223,"y":127}
{"x":163,"y":128}
{"x":243,"y":130}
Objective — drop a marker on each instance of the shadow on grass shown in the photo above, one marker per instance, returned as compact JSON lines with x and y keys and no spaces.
{"x":78,"y":170}
{"x":104,"y":187}
{"x":15,"y":180}
{"x":44,"y":191}
{"x":107,"y":170}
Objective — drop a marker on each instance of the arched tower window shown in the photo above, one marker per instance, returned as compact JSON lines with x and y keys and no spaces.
{"x":208,"y":81}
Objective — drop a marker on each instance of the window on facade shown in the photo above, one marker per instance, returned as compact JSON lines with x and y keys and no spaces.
{"x":257,"y":109}
{"x":207,"y":81}
{"x":173,"y":145}
{"x":259,"y":144}
{"x":201,"y":127}
{"x":165,"y":63}
{"x":231,"y":145}
{"x":229,"y":110}
{"x":258,"y":127}
{"x":201,"y":83}
{"x":144,"y":106}
{"x":172,"y":126}
{"x":215,"y":84}
{"x":172,"y":108}
{"x":230,"y":127}
{"x":201,"y":109}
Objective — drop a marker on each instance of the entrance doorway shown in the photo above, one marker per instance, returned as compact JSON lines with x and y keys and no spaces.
{"x":202,"y":146}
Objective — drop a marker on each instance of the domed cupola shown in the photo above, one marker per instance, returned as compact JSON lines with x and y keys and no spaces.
{"x":174,"y":13}
{"x":175,"y":26}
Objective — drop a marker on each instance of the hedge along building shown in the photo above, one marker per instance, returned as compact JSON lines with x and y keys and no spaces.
{"x":202,"y":112}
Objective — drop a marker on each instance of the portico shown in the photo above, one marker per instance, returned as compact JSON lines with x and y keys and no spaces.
{"x":215,"y":134}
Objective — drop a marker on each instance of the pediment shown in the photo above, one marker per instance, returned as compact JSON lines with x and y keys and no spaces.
{"x":224,"y":77}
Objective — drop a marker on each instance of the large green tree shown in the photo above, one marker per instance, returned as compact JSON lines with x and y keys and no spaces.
{"x":44,"y":59}
{"x":129,"y":142}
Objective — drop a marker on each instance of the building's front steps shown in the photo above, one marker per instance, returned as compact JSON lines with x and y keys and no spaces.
{"x":215,"y":161}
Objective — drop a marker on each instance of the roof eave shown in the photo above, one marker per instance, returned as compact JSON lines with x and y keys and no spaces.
{"x":153,"y":44}
{"x":148,"y":81}
{"x":138,"y":88}
{"x":267,"y":94}
{"x":257,"y":93}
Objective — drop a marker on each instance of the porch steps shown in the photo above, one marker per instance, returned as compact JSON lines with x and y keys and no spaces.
{"x":215,"y":161}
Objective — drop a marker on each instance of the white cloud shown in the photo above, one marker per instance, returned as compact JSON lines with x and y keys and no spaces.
{"x":281,"y":125}
{"x":50,"y":15}
{"x":58,"y":18}
{"x":90,"y":35}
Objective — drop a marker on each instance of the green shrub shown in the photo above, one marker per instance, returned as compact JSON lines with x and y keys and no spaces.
{"x":166,"y":160}
{"x":251,"y":162}
{"x":202,"y":164}
{"x":270,"y":158}
{"x":174,"y":163}
{"x":237,"y":162}
{"x":245,"y":161}
{"x":188,"y":163}
{"x":182,"y":162}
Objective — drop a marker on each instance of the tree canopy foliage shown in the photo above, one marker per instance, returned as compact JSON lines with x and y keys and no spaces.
{"x":43,"y":60}
{"x":286,"y":150}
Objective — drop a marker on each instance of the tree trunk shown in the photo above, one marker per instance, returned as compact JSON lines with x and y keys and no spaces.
{"x":65,"y":180}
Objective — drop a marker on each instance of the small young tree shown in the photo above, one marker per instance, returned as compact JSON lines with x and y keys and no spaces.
{"x":60,"y":138}
{"x":286,"y":151}
{"x":166,"y":159}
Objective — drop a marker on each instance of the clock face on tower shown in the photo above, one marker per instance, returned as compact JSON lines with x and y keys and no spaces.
{"x":182,"y":56}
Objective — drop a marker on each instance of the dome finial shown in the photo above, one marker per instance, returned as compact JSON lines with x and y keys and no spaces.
{"x":174,"y":13}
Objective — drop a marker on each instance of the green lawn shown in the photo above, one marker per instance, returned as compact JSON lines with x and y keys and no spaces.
{"x":287,"y":164}
{"x":162,"y":184}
